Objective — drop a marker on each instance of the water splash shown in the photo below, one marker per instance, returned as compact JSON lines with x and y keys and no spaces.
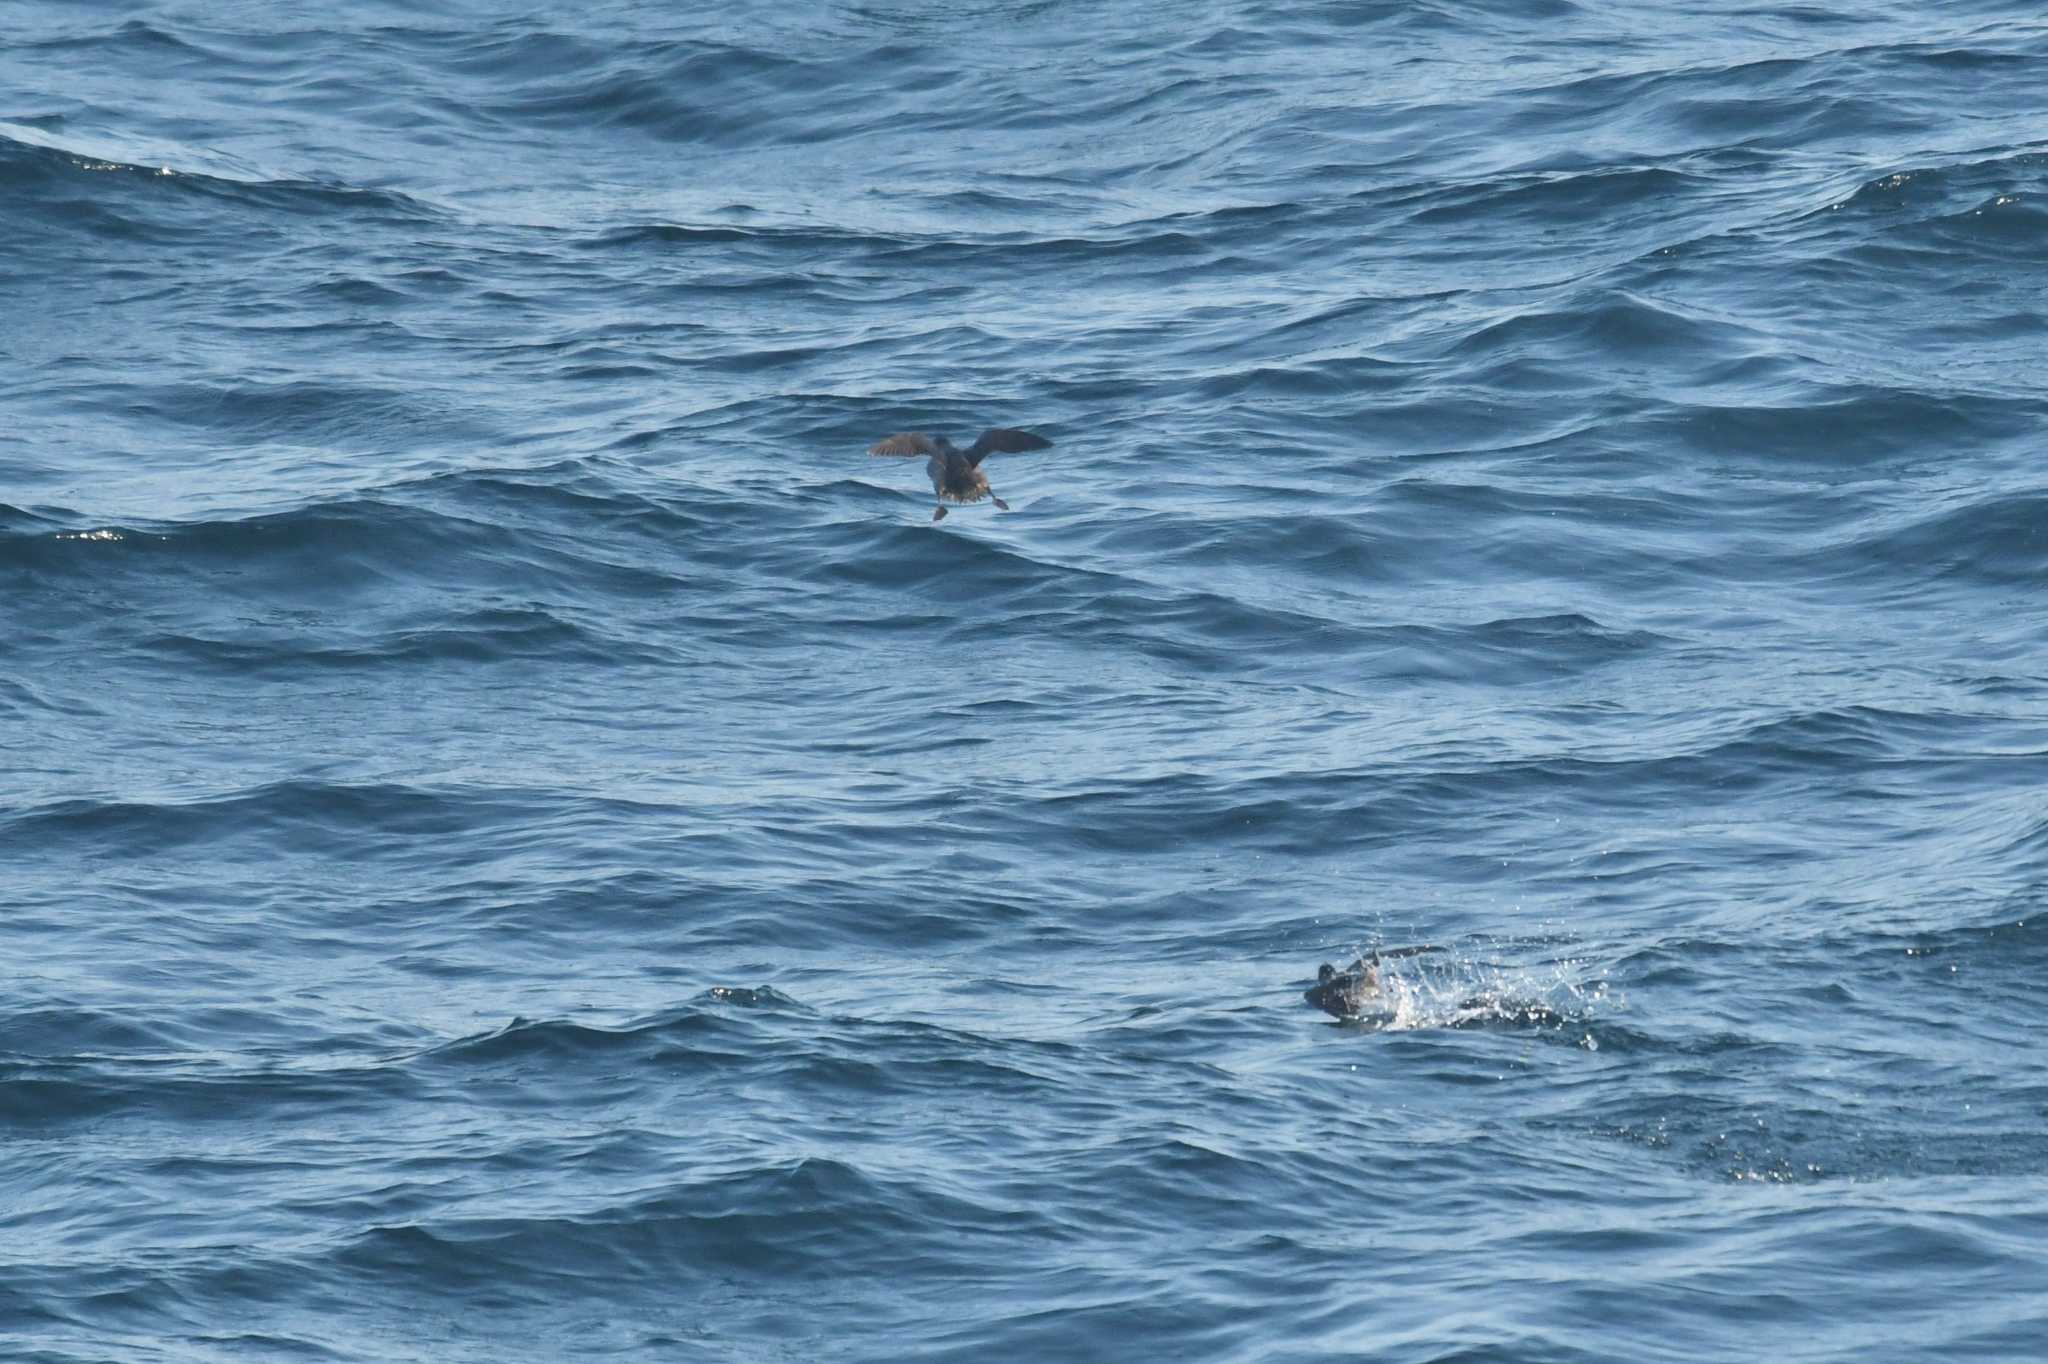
{"x":1446,"y":988}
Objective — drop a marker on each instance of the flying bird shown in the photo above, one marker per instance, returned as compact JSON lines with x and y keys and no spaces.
{"x":956,"y":474}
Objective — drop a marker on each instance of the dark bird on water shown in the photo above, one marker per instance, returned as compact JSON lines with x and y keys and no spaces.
{"x":956,"y":473}
{"x":1346,"y":993}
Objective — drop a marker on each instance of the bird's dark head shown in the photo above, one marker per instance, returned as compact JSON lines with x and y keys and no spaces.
{"x":1343,"y":994}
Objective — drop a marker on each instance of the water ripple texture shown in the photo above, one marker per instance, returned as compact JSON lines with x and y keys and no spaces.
{"x":521,"y":841}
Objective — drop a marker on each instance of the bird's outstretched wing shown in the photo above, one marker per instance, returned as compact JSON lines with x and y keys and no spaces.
{"x":1002,"y":440}
{"x":907,"y":443}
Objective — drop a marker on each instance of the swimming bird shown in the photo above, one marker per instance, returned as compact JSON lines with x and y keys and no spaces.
{"x":1345,"y":993}
{"x":956,"y":474}
{"x":1342,"y":994}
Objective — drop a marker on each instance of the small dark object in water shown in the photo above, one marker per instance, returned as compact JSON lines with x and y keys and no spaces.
{"x":1342,"y":994}
{"x":956,"y":474}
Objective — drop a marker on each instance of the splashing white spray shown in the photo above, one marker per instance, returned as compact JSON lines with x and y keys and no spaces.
{"x":1447,"y":990}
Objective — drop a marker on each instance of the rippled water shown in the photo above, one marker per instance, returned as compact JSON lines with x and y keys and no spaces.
{"x":521,"y":841}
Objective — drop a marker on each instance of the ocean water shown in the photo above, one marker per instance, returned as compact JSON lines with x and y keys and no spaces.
{"x":519,"y":840}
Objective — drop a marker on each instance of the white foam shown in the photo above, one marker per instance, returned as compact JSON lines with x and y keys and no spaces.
{"x":1449,"y":990}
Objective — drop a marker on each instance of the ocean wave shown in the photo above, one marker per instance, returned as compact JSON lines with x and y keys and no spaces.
{"x":131,"y":200}
{"x":1991,"y":540}
{"x":511,"y":813}
{"x":336,"y":549}
{"x":332,"y":812}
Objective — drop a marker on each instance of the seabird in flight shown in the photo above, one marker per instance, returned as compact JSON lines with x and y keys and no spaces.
{"x":956,"y":474}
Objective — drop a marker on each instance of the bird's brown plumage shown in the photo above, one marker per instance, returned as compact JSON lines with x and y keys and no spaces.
{"x":908,"y":443}
{"x":1004,"y":440}
{"x":955,"y":473}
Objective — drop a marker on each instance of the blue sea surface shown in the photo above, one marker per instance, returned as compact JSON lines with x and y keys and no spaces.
{"x":520,"y":840}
